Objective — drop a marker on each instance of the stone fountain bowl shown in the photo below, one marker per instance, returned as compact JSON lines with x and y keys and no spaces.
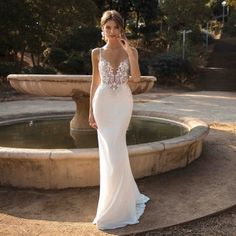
{"x":64,"y":168}
{"x":67,"y":85}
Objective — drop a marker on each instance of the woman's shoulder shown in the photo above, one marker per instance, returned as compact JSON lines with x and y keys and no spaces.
{"x":134,"y":51}
{"x":96,"y":51}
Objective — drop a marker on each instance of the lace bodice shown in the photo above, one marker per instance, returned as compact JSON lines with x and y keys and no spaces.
{"x":111,"y":77}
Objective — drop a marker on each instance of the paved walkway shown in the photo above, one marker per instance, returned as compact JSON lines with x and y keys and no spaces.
{"x":212,"y":107}
{"x":204,"y":187}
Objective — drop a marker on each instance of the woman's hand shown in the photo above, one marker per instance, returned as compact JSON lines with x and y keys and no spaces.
{"x":92,"y":121}
{"x":133,"y":58}
{"x":125,"y":44}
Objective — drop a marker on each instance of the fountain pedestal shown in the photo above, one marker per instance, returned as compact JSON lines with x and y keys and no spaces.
{"x":80,"y":119}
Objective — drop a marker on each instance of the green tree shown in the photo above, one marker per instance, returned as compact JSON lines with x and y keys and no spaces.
{"x":147,"y":11}
{"x":33,"y":25}
{"x":181,"y":14}
{"x":15,"y":21}
{"x":54,"y":19}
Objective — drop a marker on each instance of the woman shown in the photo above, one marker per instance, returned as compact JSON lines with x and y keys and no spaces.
{"x":111,"y":103}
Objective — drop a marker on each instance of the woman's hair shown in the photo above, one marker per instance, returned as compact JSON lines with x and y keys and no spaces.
{"x":113,"y":15}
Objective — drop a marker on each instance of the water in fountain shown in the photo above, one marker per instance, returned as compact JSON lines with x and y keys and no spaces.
{"x":55,"y":133}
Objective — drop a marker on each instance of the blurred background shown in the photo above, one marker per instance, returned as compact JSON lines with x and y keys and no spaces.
{"x":174,"y":37}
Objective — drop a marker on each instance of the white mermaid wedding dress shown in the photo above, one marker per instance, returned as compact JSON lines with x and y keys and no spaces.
{"x":120,"y":202}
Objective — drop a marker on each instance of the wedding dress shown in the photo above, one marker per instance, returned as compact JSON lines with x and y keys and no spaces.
{"x":120,"y":202}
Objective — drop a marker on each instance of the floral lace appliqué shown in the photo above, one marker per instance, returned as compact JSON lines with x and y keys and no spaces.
{"x":114,"y":78}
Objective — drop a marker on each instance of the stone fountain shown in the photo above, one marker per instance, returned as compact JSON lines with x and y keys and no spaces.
{"x":63,"y":168}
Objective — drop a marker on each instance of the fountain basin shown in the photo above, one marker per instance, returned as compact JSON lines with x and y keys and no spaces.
{"x":64,"y":168}
{"x":67,"y":85}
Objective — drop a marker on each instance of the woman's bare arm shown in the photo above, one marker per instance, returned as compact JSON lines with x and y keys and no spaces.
{"x":134,"y":65}
{"x":133,"y":58}
{"x":95,"y":76}
{"x":94,"y":84}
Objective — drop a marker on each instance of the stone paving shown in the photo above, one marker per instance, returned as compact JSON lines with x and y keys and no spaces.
{"x":205,"y":187}
{"x":212,"y":107}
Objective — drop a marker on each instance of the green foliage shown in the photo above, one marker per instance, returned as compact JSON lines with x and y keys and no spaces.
{"x":73,"y":56}
{"x":60,"y":34}
{"x":15,"y":19}
{"x":190,"y":51}
{"x":181,"y":14}
{"x":76,"y":64}
{"x":144,"y":64}
{"x":7,"y":68}
{"x":216,"y":7}
{"x":149,"y":31}
{"x":80,"y":38}
{"x":146,"y":13}
{"x":232,"y":4}
{"x":55,"y":56}
{"x":39,"y":70}
{"x":230,"y":26}
{"x":33,"y":25}
{"x":171,"y":69}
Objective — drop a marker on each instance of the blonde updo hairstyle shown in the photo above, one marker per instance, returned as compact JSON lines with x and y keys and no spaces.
{"x":116,"y":17}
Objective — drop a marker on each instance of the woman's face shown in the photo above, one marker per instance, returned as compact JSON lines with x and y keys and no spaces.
{"x":111,"y":30}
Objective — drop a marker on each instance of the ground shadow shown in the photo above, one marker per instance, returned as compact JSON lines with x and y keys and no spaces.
{"x":205,"y":186}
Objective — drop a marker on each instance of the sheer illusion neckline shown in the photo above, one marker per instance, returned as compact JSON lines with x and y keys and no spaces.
{"x":113,"y":69}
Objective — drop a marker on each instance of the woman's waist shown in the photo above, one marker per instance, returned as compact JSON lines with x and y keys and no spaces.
{"x":121,"y":88}
{"x":113,"y":85}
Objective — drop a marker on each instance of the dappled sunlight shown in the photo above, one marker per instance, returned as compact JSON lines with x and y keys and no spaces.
{"x":212,"y":107}
{"x":233,"y":147}
{"x":231,"y":95}
{"x":189,"y":110}
{"x":215,"y":68}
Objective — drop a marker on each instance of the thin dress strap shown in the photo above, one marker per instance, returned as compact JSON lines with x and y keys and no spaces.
{"x":100,"y":56}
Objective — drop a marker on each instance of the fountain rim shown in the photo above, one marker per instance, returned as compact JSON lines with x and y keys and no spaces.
{"x":64,"y":78}
{"x":198,"y":129}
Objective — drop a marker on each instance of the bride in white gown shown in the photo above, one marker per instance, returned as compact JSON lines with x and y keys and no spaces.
{"x":111,"y":103}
